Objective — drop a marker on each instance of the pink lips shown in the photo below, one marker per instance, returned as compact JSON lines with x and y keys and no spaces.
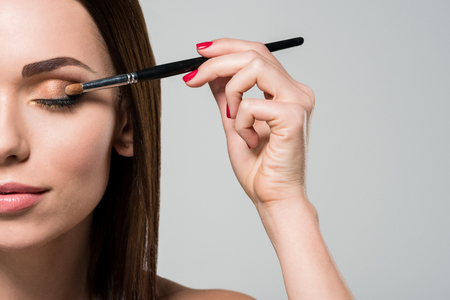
{"x":15,"y":197}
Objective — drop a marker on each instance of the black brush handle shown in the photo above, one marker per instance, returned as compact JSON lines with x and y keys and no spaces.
{"x":184,"y":66}
{"x":171,"y":69}
{"x":280,"y":45}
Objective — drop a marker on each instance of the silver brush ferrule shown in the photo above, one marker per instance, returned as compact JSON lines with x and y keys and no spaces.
{"x":110,"y":82}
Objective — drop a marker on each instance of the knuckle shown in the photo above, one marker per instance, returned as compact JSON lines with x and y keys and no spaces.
{"x":231,"y":92}
{"x":259,"y":47}
{"x":258,"y":63}
{"x":251,"y":54}
{"x":228,"y":89}
{"x":245,"y":105}
{"x":309,"y":99}
{"x":225,"y":40}
{"x":210,"y":67}
{"x":307,"y":90}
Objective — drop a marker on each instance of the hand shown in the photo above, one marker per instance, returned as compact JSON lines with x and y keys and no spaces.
{"x":275,"y":128}
{"x":272,"y":171}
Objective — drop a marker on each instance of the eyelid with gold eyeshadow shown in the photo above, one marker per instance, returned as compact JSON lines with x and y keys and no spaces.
{"x":60,"y":103}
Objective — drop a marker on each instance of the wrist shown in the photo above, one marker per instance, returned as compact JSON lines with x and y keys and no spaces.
{"x":292,"y":207}
{"x":282,"y":218}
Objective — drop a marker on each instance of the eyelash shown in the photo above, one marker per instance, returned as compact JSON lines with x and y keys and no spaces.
{"x":59,"y":103}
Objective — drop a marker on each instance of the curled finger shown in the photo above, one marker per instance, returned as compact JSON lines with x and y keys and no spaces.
{"x":269,"y":79}
{"x":285,"y":121}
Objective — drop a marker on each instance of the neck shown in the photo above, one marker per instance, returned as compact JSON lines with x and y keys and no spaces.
{"x":56,"y":270}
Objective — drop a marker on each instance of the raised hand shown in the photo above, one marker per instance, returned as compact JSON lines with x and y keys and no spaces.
{"x":275,"y":128}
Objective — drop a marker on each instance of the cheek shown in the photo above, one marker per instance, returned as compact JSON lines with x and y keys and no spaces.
{"x":82,"y":149}
{"x":76,"y":157}
{"x":81,"y":156}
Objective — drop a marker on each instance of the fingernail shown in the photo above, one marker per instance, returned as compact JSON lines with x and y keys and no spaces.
{"x":228,"y":112}
{"x":189,"y":76}
{"x":201,"y":46}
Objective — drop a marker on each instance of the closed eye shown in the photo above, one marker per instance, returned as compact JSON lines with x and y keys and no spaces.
{"x":60,"y":103}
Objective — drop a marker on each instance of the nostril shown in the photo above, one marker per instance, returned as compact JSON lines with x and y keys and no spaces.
{"x":13,"y":154}
{"x":14,"y":145}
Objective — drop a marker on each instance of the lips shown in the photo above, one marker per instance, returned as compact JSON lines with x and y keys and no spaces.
{"x":16,"y":197}
{"x":18,"y":188}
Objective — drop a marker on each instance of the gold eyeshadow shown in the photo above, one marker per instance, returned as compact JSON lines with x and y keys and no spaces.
{"x":50,"y":94}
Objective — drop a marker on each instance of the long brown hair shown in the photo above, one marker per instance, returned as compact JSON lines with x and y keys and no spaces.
{"x":125,"y":236}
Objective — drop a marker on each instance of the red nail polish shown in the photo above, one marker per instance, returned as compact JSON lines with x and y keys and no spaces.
{"x":201,"y":46}
{"x":189,"y":76}
{"x":228,"y":112}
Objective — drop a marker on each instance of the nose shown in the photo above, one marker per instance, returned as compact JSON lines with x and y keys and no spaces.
{"x":13,"y":145}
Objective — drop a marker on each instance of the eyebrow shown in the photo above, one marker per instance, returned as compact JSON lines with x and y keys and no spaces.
{"x":52,"y":64}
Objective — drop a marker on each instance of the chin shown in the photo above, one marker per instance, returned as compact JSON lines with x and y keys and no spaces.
{"x":20,"y":243}
{"x":21,"y":236}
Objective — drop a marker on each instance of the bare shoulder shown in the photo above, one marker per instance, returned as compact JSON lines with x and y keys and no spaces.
{"x":169,"y":290}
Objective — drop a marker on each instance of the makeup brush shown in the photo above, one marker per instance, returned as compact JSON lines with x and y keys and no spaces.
{"x":160,"y":71}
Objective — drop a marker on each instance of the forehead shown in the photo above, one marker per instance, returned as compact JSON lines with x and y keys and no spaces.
{"x":34,"y":30}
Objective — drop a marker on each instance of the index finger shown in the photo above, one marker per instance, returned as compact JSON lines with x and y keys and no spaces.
{"x":227,"y":46}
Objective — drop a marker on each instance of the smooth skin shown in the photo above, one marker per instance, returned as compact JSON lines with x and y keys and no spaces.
{"x":44,"y":250}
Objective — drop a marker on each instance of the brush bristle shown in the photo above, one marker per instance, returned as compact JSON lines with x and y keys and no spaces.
{"x":74,"y":89}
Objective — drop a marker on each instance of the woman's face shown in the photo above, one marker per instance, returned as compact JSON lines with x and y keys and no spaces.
{"x":62,"y":151}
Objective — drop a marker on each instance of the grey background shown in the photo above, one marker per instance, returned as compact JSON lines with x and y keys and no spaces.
{"x":378,"y":166}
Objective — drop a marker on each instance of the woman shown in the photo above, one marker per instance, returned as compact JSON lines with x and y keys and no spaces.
{"x":79,"y":177}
